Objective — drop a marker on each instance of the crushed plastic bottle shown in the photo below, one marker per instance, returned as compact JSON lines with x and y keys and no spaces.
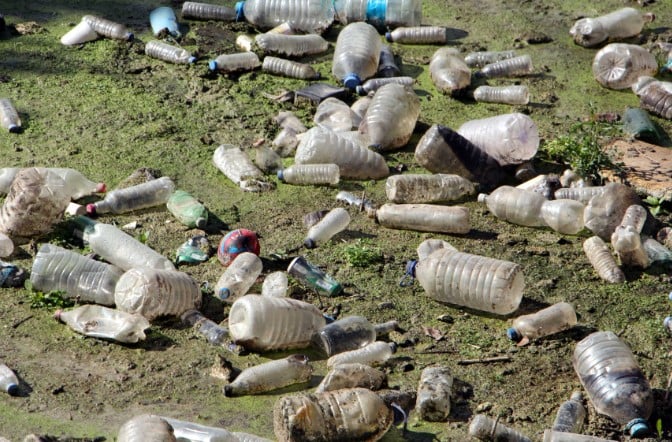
{"x":617,"y":25}
{"x":391,"y":117}
{"x":239,"y":276}
{"x":207,"y":11}
{"x":423,"y":35}
{"x":289,"y":68}
{"x":655,"y":96}
{"x":310,"y":16}
{"x":106,"y":323}
{"x":164,"y":51}
{"x":513,"y":94}
{"x":140,"y":196}
{"x":423,"y":188}
{"x":214,"y":333}
{"x":356,"y":54}
{"x":550,"y":320}
{"x":481,"y":58}
{"x":192,"y":251}
{"x":146,"y":428}
{"x":375,"y":353}
{"x":275,"y":285}
{"x":345,"y":334}
{"x":81,"y":33}
{"x":187,"y":209}
{"x":230,"y":63}
{"x":8,"y":380}
{"x":270,"y":376}
{"x":77,"y":185}
{"x":312,"y":174}
{"x":238,"y":167}
{"x":604,"y":212}
{"x":352,"y":375}
{"x":619,"y":65}
{"x":571,"y":415}
{"x":9,"y":117}
{"x":435,"y":389}
{"x":335,"y":115}
{"x":424,"y":218}
{"x":311,"y":275}
{"x":373,"y":84}
{"x":602,"y":260}
{"x":518,"y":66}
{"x":486,"y":429}
{"x":448,"y":71}
{"x":163,"y":20}
{"x":108,"y":28}
{"x":333,"y":222}
{"x":517,"y":206}
{"x":291,"y":45}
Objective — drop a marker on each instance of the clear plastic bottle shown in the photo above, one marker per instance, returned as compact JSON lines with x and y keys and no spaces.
{"x":448,"y":71}
{"x":236,"y":165}
{"x":239,"y":276}
{"x":162,"y":19}
{"x":261,"y":323}
{"x":563,"y":216}
{"x":275,"y":285}
{"x":79,"y":34}
{"x":313,"y":277}
{"x":164,"y":51}
{"x":82,"y":278}
{"x":207,"y":11}
{"x":373,"y":84}
{"x":313,"y":174}
{"x":8,"y":380}
{"x":619,"y":65}
{"x":512,"y":94}
{"x":508,"y":138}
{"x":428,"y":246}
{"x":352,"y":375}
{"x":348,"y":11}
{"x":333,"y":222}
{"x":289,"y":68}
{"x":424,"y":218}
{"x":627,"y":243}
{"x":473,"y":281}
{"x":270,"y":376}
{"x":424,"y":188}
{"x":422,"y":35}
{"x":602,"y":260}
{"x":108,"y":28}
{"x":619,"y":24}
{"x":571,"y":415}
{"x":345,"y":334}
{"x":375,"y":353}
{"x":146,"y":428}
{"x":105,"y":323}
{"x":394,"y":13}
{"x":486,"y":429}
{"x":291,"y":45}
{"x":656,"y":251}
{"x":117,"y":247}
{"x":391,"y":117}
{"x":581,"y":194}
{"x":387,"y":64}
{"x":187,"y":209}
{"x":435,"y":389}
{"x":615,"y":384}
{"x":193,"y":432}
{"x":482,"y":58}
{"x":9,"y":117}
{"x":153,"y":293}
{"x":310,"y":16}
{"x":214,"y":333}
{"x":655,"y":96}
{"x":240,"y":61}
{"x":356,"y":54}
{"x":511,"y":67}
{"x":635,"y":217}
{"x":76,"y":184}
{"x":140,"y":196}
{"x":6,"y":245}
{"x":550,"y":320}
{"x":334,"y":114}
{"x":359,"y":109}
{"x":517,"y":206}
{"x":561,"y":436}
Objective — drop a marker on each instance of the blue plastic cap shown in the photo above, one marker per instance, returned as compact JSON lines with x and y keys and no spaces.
{"x":281,"y":175}
{"x":388,"y":36}
{"x":410,"y":267}
{"x":212,"y":65}
{"x":13,"y":389}
{"x":666,"y":321}
{"x":224,"y":293}
{"x":513,"y":334}
{"x":240,"y":13}
{"x":637,"y":427}
{"x":191,"y":59}
{"x":351,"y":81}
{"x":376,"y":10}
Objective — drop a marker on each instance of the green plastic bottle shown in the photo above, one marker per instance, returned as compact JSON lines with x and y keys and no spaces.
{"x":187,"y":209}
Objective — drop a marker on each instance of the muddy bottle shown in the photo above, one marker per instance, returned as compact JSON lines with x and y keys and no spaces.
{"x":602,"y":260}
{"x":333,"y":222}
{"x":146,"y":428}
{"x":473,"y":281}
{"x":424,"y":218}
{"x":554,"y":319}
{"x":656,"y":251}
{"x":313,"y":174}
{"x":141,"y":196}
{"x":620,"y":24}
{"x":237,"y":166}
{"x":106,"y":323}
{"x":81,"y":33}
{"x":76,"y":184}
{"x":581,"y":194}
{"x":6,"y":245}
{"x":82,"y":278}
{"x":619,"y":65}
{"x":613,"y":380}
{"x":313,"y":277}
{"x":270,"y":376}
{"x":239,"y":276}
{"x":291,"y":45}
{"x":349,"y":333}
{"x":518,"y":66}
{"x":289,"y":68}
{"x":9,"y":117}
{"x":448,"y":71}
{"x":8,"y":380}
{"x":482,"y":58}
{"x":356,"y":54}
{"x":434,"y":393}
{"x":207,"y":11}
{"x":626,"y":239}
{"x":486,"y":429}
{"x":164,"y":51}
{"x":162,"y":19}
{"x":153,"y":293}
{"x":563,"y":216}
{"x":655,"y":96}
{"x":428,"y":246}
{"x":391,"y":117}
{"x":375,"y":353}
{"x":261,"y":323}
{"x":187,"y":209}
{"x":423,"y":188}
{"x":334,"y":114}
{"x":514,"y":94}
{"x":214,"y":333}
{"x":418,"y":35}
{"x":310,"y":16}
{"x":571,"y":415}
{"x":561,"y":436}
{"x":275,"y":285}
{"x":373,"y":84}
{"x":517,"y":206}
{"x":387,"y":65}
{"x":229,"y":63}
{"x":108,"y":28}
{"x":352,"y":375}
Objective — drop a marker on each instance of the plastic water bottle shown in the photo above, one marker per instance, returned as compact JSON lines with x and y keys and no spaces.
{"x":187,"y":209}
{"x":448,"y":71}
{"x":117,"y":247}
{"x":261,"y":323}
{"x":387,"y":65}
{"x":236,"y":165}
{"x":164,"y":51}
{"x":656,"y":251}
{"x":108,"y":28}
{"x":352,"y":376}
{"x":8,"y":380}
{"x":486,"y":429}
{"x":82,"y":278}
{"x":275,"y":285}
{"x":141,"y":196}
{"x":481,"y":58}
{"x":214,"y":333}
{"x":229,"y":63}
{"x":291,"y":45}
{"x":517,"y":206}
{"x":239,"y":276}
{"x":190,"y":431}
{"x":510,"y":67}
{"x":394,"y":13}
{"x":313,"y":277}
{"x":76,"y":184}
{"x":428,"y":246}
{"x":146,"y":427}
{"x":563,"y":216}
{"x":435,"y":389}
{"x":81,"y":33}
{"x":635,"y":216}
{"x":162,"y":19}
{"x":424,"y":218}
{"x":581,"y":194}
{"x":335,"y":114}
{"x":422,"y":35}
{"x":270,"y":376}
{"x":333,"y":222}
{"x":615,"y":384}
{"x":207,"y":11}
{"x":561,"y":436}
{"x":391,"y":117}
{"x":473,"y":281}
{"x":310,"y":16}
{"x":375,"y":353}
{"x":289,"y":68}
{"x":373,"y":84}
{"x":571,"y":415}
{"x":617,"y":25}
{"x":9,"y":117}
{"x":550,"y":320}
{"x":356,"y":54}
{"x":6,"y":245}
{"x":627,"y":244}
{"x":655,"y":96}
{"x":602,"y":260}
{"x":106,"y":323}
{"x":345,"y":334}
{"x":619,"y":65}
{"x":512,"y":94}
{"x":424,"y":188}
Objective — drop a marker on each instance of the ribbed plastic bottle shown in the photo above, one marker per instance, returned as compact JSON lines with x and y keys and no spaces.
{"x":108,"y":28}
{"x":615,"y":384}
{"x":289,"y":68}
{"x":191,"y":431}
{"x":9,"y":117}
{"x":345,"y":334}
{"x":509,"y":138}
{"x":423,"y":35}
{"x":164,"y":51}
{"x":8,"y":380}
{"x":359,"y":108}
{"x":105,"y":323}
{"x":387,"y":64}
{"x":187,"y":209}
{"x":448,"y":71}
{"x":291,"y":45}
{"x":146,"y":428}
{"x":373,"y":84}
{"x":602,"y":260}
{"x":428,"y":246}
{"x":229,"y":63}
{"x":275,"y":285}
{"x":581,"y":194}
{"x":512,"y":94}
{"x":391,"y":117}
{"x":561,"y":436}
{"x":517,"y":206}
{"x":564,"y":216}
{"x":79,"y":34}
{"x":617,"y":25}
{"x":375,"y":353}
{"x":473,"y":281}
{"x":352,"y":376}
{"x":235,"y":164}
{"x":321,"y":145}
{"x":655,"y":96}
{"x":82,"y":278}
{"x":310,"y":16}
{"x":627,"y":244}
{"x":550,"y":320}
{"x":427,"y":188}
{"x":334,"y":114}
{"x":140,"y":196}
{"x":6,"y":245}
{"x":571,"y":415}
{"x":207,"y":11}
{"x":76,"y":184}
{"x":510,"y":67}
{"x":482,"y":58}
{"x":214,"y":333}
{"x":487,"y":429}
{"x":270,"y":376}
{"x":162,"y":19}
{"x":239,"y":276}
{"x":619,"y":65}
{"x":261,"y":323}
{"x":435,"y":390}
{"x":356,"y":54}
{"x":424,"y":218}
{"x":333,"y":222}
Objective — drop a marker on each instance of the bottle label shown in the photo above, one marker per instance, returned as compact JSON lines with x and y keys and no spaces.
{"x":376,"y":11}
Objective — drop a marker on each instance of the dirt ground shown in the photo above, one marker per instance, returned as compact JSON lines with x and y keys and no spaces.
{"x":106,"y":109}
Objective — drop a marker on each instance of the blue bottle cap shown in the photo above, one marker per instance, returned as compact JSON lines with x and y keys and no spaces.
{"x":13,"y":389}
{"x":637,"y":427}
{"x":513,"y":334}
{"x":388,"y":36}
{"x":281,"y":175}
{"x":666,"y":321}
{"x":191,"y":59}
{"x":240,"y":13}
{"x":351,"y":81}
{"x":224,"y":293}
{"x":212,"y":65}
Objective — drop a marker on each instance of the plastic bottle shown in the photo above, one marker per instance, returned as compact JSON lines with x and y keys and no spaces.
{"x":563,"y":216}
{"x":239,"y":276}
{"x":321,"y":145}
{"x":352,"y":375}
{"x":140,"y":196}
{"x":359,"y":109}
{"x":619,"y":65}
{"x":434,"y":393}
{"x":349,"y":414}
{"x":627,"y":244}
{"x":289,"y":68}
{"x":335,"y":115}
{"x":602,"y":260}
{"x":108,"y":28}
{"x":375,"y":353}
{"x":545,"y":185}
{"x":391,"y":117}
{"x":448,"y":71}
{"x":187,"y":209}
{"x":517,"y":206}
{"x":162,"y":19}
{"x":424,"y":218}
{"x":81,"y":33}
{"x":655,"y":96}
{"x":214,"y":333}
{"x":6,"y":245}
{"x":82,"y":278}
{"x":428,"y":246}
{"x":291,"y":45}
{"x":207,"y":11}
{"x":615,"y":384}
{"x":262,"y":323}
{"x":236,"y":165}
{"x":638,"y":125}
{"x":270,"y":376}
{"x":8,"y":380}
{"x":387,"y":65}
{"x":394,"y":13}
{"x":486,"y":429}
{"x":313,"y":277}
{"x":275,"y":285}
{"x":76,"y":184}
{"x":193,"y":432}
{"x":363,"y":204}
{"x":423,"y":35}
{"x":423,"y":188}
{"x":310,"y":16}
{"x":635,"y":217}
{"x":560,"y":436}
{"x":511,"y":67}
{"x":356,"y":54}
{"x":473,"y":281}
{"x":550,"y":320}
{"x":571,"y":415}
{"x":620,"y":24}
{"x":164,"y":51}
{"x":581,"y":194}
{"x":373,"y":84}
{"x":333,"y":222}
{"x":153,"y":293}
{"x":656,"y":252}
{"x":9,"y":117}
{"x":508,"y":138}
{"x":482,"y":58}
{"x":105,"y":323}
{"x":512,"y":94}
{"x":345,"y":334}
{"x":229,"y":63}
{"x":146,"y":428}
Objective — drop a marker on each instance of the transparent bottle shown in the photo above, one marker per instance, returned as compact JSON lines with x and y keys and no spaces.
{"x":448,"y":71}
{"x":387,"y":64}
{"x":162,"y":19}
{"x":373,"y":84}
{"x":289,"y":68}
{"x":310,"y":16}
{"x":187,"y":209}
{"x":229,"y":63}
{"x":394,"y":13}
{"x":207,"y":11}
{"x":313,"y":174}
{"x":517,"y":206}
{"x":153,"y":293}
{"x":261,"y":323}
{"x":561,"y":436}
{"x":6,"y":245}
{"x":359,"y":109}
{"x":563,"y":216}
{"x":78,"y":185}
{"x":146,"y":428}
{"x":619,"y":65}
{"x":627,"y":243}
{"x":164,"y":51}
{"x":424,"y":218}
{"x":322,"y":145}
{"x":655,"y":96}
{"x":508,"y":138}
{"x":435,"y":389}
{"x":8,"y":380}
{"x":291,"y":45}
{"x":313,"y":277}
{"x":356,"y":54}
{"x":391,"y":117}
{"x":487,"y":429}
{"x":335,"y":115}
{"x":275,"y":285}
{"x":615,"y":384}
{"x":581,"y":194}
{"x":106,"y":323}
{"x":108,"y":28}
{"x":518,"y":66}
{"x":544,"y":185}
{"x":239,"y":276}
{"x":619,"y":24}
{"x":82,"y":278}
{"x":512,"y":94}
{"x":571,"y":415}
{"x":473,"y":281}
{"x":9,"y":117}
{"x":550,"y":320}
{"x":604,"y":213}
{"x":424,"y":188}
{"x":214,"y":333}
{"x":422,"y":35}
{"x":79,"y":34}
{"x":352,"y":375}
{"x":348,"y":11}
{"x":375,"y":353}
{"x":602,"y":260}
{"x":270,"y":376}
{"x":428,"y":246}
{"x":656,"y":251}
{"x":140,"y":196}
{"x":117,"y":247}
{"x":481,"y":58}
{"x":193,"y":432}
{"x":333,"y":222}
{"x":236,"y":165}
{"x":345,"y":334}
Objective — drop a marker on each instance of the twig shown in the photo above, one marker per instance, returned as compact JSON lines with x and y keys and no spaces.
{"x":484,"y":360}
{"x":21,"y":321}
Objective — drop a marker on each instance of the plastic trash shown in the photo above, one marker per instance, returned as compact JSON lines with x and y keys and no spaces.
{"x":270,"y":376}
{"x":423,"y":35}
{"x":207,"y":11}
{"x":617,"y":25}
{"x":108,"y":28}
{"x":238,"y":167}
{"x":571,"y":415}
{"x":106,"y":323}
{"x":387,"y":64}
{"x":312,"y":174}
{"x":310,"y":16}
{"x":6,"y":245}
{"x":481,"y":58}
{"x":560,"y":436}
{"x":238,"y":62}
{"x":267,"y":159}
{"x":636,"y":123}
{"x":345,"y":334}
{"x":352,"y":375}
{"x":512,"y":94}
{"x":239,"y":276}
{"x":391,"y":117}
{"x":424,"y":218}
{"x":192,"y":432}
{"x":9,"y":117}
{"x":8,"y":380}
{"x":550,"y":320}
{"x":275,"y":285}
{"x":333,"y":222}
{"x":434,"y":394}
{"x":518,"y":66}
{"x":383,"y":14}
{"x":192,"y":251}
{"x":448,"y":71}
{"x":164,"y":51}
{"x":602,"y":260}
{"x":654,"y":96}
{"x":428,"y":246}
{"x":81,"y":33}
{"x":76,"y":184}
{"x":362,"y":203}
{"x":291,"y":45}
{"x":563,"y":215}
{"x":356,"y":54}
{"x":517,"y":206}
{"x":486,"y":429}
{"x":187,"y":209}
{"x":656,"y":251}
{"x":289,"y":68}
{"x":373,"y":354}
{"x":236,"y":242}
{"x":619,"y":65}
{"x":335,"y":115}
{"x":146,"y":428}
{"x":373,"y":84}
{"x":311,"y":276}
{"x":163,"y":19}
{"x":581,"y":194}
{"x":545,"y":185}
{"x":615,"y":384}
{"x":423,"y":188}
{"x":140,"y":196}
{"x":604,"y":212}
{"x":214,"y":333}
{"x":626,"y":239}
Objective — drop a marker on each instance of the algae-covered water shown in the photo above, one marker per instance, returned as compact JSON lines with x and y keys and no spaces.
{"x":106,"y":109}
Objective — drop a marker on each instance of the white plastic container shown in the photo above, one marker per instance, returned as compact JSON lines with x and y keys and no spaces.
{"x":550,"y":320}
{"x":164,"y":51}
{"x":289,"y":68}
{"x":424,"y":218}
{"x":571,"y":415}
{"x":619,"y":65}
{"x":270,"y":376}
{"x":602,"y":260}
{"x":146,"y":428}
{"x":375,"y":353}
{"x":275,"y":285}
{"x":486,"y":429}
{"x":617,"y":25}
{"x":9,"y":117}
{"x":427,"y":188}
{"x":654,"y":96}
{"x":332,"y":223}
{"x":435,"y":390}
{"x":237,"y":166}
{"x":518,"y":66}
{"x":356,"y":54}
{"x":448,"y":71}
{"x":291,"y":45}
{"x":512,"y":94}
{"x":391,"y":117}
{"x":207,"y":11}
{"x":106,"y":323}
{"x":310,"y":16}
{"x":239,"y":276}
{"x":141,"y":196}
{"x":81,"y":33}
{"x":229,"y":63}
{"x":8,"y":380}
{"x":517,"y":206}
{"x":108,"y":28}
{"x":423,"y":35}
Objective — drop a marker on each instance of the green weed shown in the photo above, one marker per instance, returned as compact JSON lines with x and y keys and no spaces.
{"x":656,"y":205}
{"x":362,"y":255}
